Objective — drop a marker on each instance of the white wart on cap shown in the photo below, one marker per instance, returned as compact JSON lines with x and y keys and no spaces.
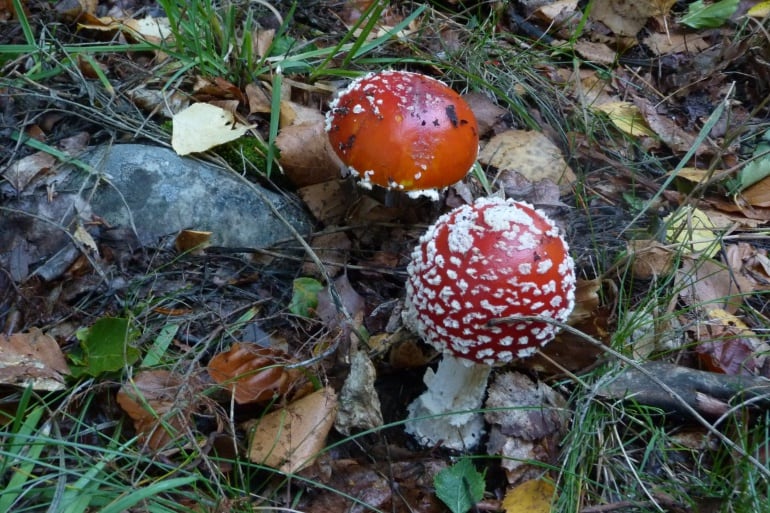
{"x":490,"y":260}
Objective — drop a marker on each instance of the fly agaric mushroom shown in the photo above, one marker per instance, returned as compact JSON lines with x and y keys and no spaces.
{"x":477,"y":264}
{"x":403,"y":130}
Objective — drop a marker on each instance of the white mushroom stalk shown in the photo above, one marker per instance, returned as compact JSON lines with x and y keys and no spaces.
{"x":479,"y":263}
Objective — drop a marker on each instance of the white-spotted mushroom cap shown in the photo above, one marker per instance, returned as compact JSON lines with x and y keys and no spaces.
{"x":493,"y":259}
{"x":403,"y":130}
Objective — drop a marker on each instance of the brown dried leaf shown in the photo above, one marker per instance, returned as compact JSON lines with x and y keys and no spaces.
{"x":650,"y":258}
{"x":487,"y":112}
{"x":728,"y":346}
{"x":758,"y":195}
{"x":527,"y":421}
{"x":624,"y":17}
{"x":290,"y":438}
{"x":333,"y":249}
{"x":254,"y":374}
{"x":708,"y":284}
{"x":359,"y":403}
{"x":258,"y":99}
{"x":32,"y":359}
{"x":375,"y":484}
{"x":666,"y":128}
{"x":22,"y":172}
{"x":161,"y":404}
{"x":663,"y":44}
{"x":598,"y":53}
{"x":328,"y":201}
{"x":306,"y":154}
{"x":530,"y":153}
{"x":192,"y":240}
{"x":350,"y":299}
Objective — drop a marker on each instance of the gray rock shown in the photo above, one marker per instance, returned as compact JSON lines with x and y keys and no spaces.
{"x":155,"y":193}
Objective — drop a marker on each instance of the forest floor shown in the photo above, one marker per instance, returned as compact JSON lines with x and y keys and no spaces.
{"x":181,"y":374}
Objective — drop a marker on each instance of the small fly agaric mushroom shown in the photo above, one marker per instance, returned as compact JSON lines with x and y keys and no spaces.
{"x":403,"y":130}
{"x":478,"y":264}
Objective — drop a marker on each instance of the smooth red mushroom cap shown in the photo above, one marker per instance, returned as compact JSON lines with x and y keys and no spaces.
{"x":403,"y":130}
{"x":493,"y":259}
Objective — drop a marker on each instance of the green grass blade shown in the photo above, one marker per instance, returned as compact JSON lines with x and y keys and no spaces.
{"x":134,"y":497}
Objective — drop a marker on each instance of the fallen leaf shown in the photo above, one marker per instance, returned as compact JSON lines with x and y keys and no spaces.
{"x":663,"y":44}
{"x":306,"y":154}
{"x":650,"y":259}
{"x":32,"y":359}
{"x":672,"y":135}
{"x":534,"y":496}
{"x":289,"y":439}
{"x":726,"y":345}
{"x":527,"y":422}
{"x":708,"y":284}
{"x":627,"y":117}
{"x":598,"y":53}
{"x":201,"y":126}
{"x":359,"y":403}
{"x":161,"y":404}
{"x":693,"y":230}
{"x":529,"y":153}
{"x":254,"y":374}
{"x":624,"y":17}
{"x":22,"y":172}
{"x":192,"y":241}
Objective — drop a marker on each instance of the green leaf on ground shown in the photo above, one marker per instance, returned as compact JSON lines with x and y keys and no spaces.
{"x":757,"y":169}
{"x":460,"y":486}
{"x":699,"y":15}
{"x":304,"y":297}
{"x":107,"y":346}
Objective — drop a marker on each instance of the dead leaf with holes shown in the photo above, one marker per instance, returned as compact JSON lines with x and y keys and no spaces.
{"x":289,"y":439}
{"x":529,"y":153}
{"x":32,"y":359}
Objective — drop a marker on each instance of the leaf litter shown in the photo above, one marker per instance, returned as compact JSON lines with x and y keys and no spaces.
{"x":208,"y":289}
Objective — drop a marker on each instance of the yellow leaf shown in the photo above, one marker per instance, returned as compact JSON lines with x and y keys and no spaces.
{"x":202,"y":126}
{"x":692,"y":228}
{"x":695,"y":175}
{"x":761,"y":10}
{"x":627,"y":117}
{"x":529,"y":497}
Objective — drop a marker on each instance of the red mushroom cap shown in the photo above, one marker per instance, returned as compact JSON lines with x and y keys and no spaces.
{"x":403,"y":130}
{"x":496,"y":258}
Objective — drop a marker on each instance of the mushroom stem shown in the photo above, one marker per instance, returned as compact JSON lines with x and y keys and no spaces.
{"x":445,"y":413}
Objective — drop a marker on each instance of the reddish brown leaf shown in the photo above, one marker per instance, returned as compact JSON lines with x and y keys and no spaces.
{"x":254,"y":374}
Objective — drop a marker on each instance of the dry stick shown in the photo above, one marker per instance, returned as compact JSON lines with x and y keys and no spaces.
{"x":686,"y":406}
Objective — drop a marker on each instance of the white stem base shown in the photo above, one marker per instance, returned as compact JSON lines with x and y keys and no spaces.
{"x":456,"y":386}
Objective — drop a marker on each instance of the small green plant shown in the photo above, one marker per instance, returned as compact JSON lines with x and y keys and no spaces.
{"x":460,"y":486}
{"x":304,"y":297}
{"x":106,"y":346}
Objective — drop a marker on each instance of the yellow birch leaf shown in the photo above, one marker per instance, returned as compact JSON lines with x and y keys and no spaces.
{"x":761,"y":10}
{"x":532,"y":496}
{"x":692,"y":228}
{"x":627,"y":117}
